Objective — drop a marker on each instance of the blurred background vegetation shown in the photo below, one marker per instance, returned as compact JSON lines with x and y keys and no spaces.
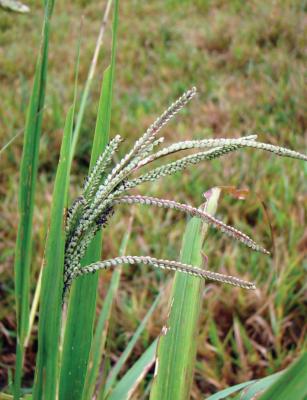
{"x":247,"y":61}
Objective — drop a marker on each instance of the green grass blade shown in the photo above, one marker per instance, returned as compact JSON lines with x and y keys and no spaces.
{"x":34,"y":306}
{"x":45,"y":385}
{"x":80,"y":319}
{"x":282,"y":385}
{"x":126,"y":386}
{"x":258,"y":386}
{"x":3,"y":148}
{"x":36,"y":297}
{"x":27,"y":185}
{"x":291,"y":384}
{"x":82,"y":302}
{"x":224,"y":394}
{"x":89,"y":79}
{"x":128,"y":350}
{"x":98,"y":343}
{"x":177,"y":345}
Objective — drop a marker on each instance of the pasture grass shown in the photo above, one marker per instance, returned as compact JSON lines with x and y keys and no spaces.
{"x":247,"y":62}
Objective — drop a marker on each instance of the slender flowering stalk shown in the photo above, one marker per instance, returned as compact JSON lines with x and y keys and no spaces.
{"x":248,"y":141}
{"x":152,"y":131}
{"x":146,"y":140}
{"x":92,"y":182}
{"x":194,"y":144}
{"x":195,"y":212}
{"x":177,"y":166}
{"x":142,"y":145}
{"x":105,"y":186}
{"x":165,"y":264}
{"x":72,"y":214}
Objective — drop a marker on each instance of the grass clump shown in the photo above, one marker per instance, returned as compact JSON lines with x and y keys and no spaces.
{"x":246,"y":83}
{"x":102,"y":192}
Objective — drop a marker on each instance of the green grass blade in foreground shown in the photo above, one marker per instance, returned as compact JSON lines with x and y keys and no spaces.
{"x":224,"y":394}
{"x":89,"y":79}
{"x":82,"y":301}
{"x":98,"y":343}
{"x":80,"y":318}
{"x":125,"y":388}
{"x":128,"y":350}
{"x":291,"y":384}
{"x":37,"y":293}
{"x":27,"y":184}
{"x":177,"y":344}
{"x":258,"y":386}
{"x":249,"y":388}
{"x":46,"y":374}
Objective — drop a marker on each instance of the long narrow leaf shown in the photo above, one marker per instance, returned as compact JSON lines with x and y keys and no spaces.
{"x":27,"y":185}
{"x":125,"y":388}
{"x":37,"y":293}
{"x":79,"y":323}
{"x":89,"y":79}
{"x":82,"y":304}
{"x":258,"y":386}
{"x":80,"y":320}
{"x":4,"y":147}
{"x":45,"y":385}
{"x":126,"y":353}
{"x":177,"y":345}
{"x":98,"y":344}
{"x":291,"y":384}
{"x":225,"y":393}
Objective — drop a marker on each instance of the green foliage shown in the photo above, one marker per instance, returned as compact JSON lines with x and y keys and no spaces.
{"x":177,"y":345}
{"x":113,"y":375}
{"x":103,"y":322}
{"x":265,"y":94}
{"x":249,"y":389}
{"x":129,"y":382}
{"x":82,"y":304}
{"x":27,"y":185}
{"x":104,"y":111}
{"x":291,"y":384}
{"x":45,"y":385}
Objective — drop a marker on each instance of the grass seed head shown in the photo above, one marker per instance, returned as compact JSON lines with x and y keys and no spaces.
{"x":103,"y":192}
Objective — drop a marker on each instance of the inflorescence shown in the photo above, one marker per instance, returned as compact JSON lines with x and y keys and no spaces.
{"x":104,"y":189}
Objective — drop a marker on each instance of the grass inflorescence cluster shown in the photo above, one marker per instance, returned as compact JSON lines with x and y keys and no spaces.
{"x":103,"y":191}
{"x":247,"y":60}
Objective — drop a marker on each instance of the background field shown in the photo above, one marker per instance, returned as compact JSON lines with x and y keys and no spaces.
{"x":247,"y":61}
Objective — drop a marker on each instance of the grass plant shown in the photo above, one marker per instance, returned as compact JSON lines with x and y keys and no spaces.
{"x":102,"y":192}
{"x":177,"y":346}
{"x":232,"y":347}
{"x":82,"y":306}
{"x":46,"y":379}
{"x":27,"y":186}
